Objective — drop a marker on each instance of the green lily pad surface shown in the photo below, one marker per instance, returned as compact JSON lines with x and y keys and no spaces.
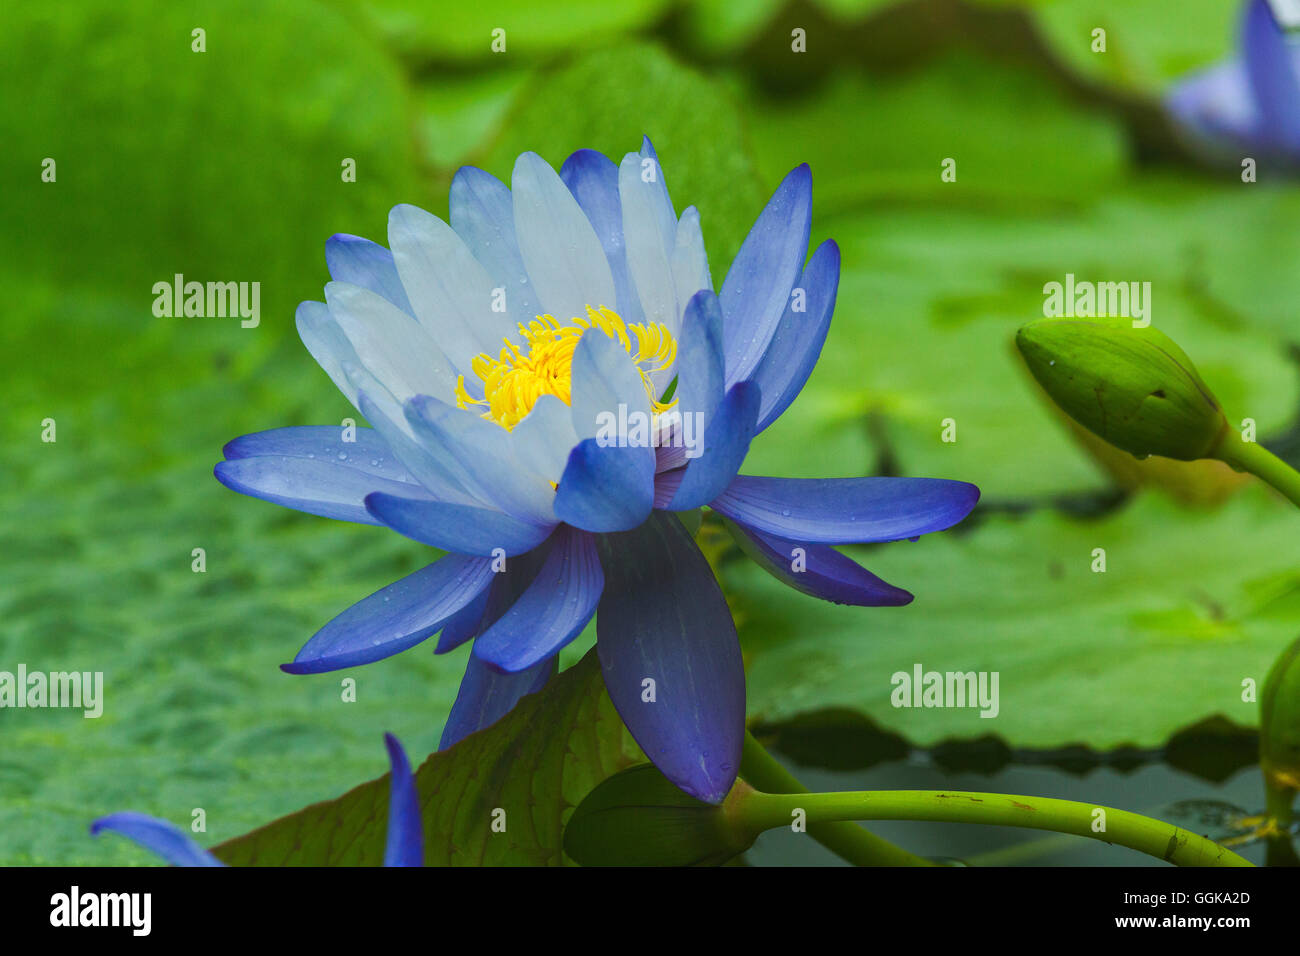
{"x":1190,"y":606}
{"x":499,"y":797}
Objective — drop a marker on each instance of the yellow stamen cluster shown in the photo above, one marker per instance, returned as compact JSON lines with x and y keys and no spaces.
{"x":518,"y":377}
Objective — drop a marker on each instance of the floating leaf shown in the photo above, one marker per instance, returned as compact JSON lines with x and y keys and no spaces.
{"x":525,"y":774}
{"x":1190,"y":605}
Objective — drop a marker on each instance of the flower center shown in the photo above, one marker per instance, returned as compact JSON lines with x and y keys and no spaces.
{"x":517,"y":378}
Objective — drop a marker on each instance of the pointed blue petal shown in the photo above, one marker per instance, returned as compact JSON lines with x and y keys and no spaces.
{"x":465,"y":624}
{"x":158,"y":836}
{"x":799,"y":337}
{"x":326,"y":488}
{"x":846,"y":510}
{"x":329,"y":346}
{"x":552,"y":612}
{"x":394,"y":618}
{"x":822,"y":571}
{"x":664,"y":619}
{"x":462,"y":529}
{"x":486,"y":695}
{"x":367,"y":264}
{"x":650,"y":234}
{"x":1271,"y":67}
{"x":701,"y":368}
{"x":606,"y":488}
{"x":482,"y":213}
{"x":367,"y":451}
{"x":592,"y":177}
{"x":450,"y":290}
{"x":508,"y":586}
{"x":565,"y":261}
{"x":726,"y":442}
{"x":1217,"y":106}
{"x":757,"y":288}
{"x":485,"y":455}
{"x":405,"y":845}
{"x":391,"y":345}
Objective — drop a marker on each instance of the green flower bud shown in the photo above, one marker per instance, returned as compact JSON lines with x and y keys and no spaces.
{"x":1131,"y":386}
{"x":1279,"y":720}
{"x":638,"y":818}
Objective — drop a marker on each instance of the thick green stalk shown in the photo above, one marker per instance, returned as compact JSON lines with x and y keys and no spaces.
{"x":1263,"y":464}
{"x":846,"y":839}
{"x":1280,"y":846}
{"x":1153,"y":837}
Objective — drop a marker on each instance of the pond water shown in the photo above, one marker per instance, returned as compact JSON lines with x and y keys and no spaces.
{"x":1206,"y":768}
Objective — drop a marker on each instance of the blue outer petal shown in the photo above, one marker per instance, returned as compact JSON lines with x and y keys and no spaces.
{"x":1217,"y":106}
{"x":405,"y":845}
{"x":799,"y":337}
{"x":664,"y":618}
{"x":368,"y":452}
{"x":158,"y":836}
{"x":465,"y":624}
{"x":454,"y":527}
{"x":826,"y":573}
{"x":552,"y":612}
{"x":330,"y":489}
{"x":508,"y":586}
{"x":650,"y":233}
{"x":701,"y":368}
{"x":482,"y":213}
{"x":484,"y":456}
{"x":606,"y":489}
{"x":367,"y":264}
{"x":846,"y":510}
{"x":394,"y":618}
{"x":449,"y":289}
{"x":757,"y":288}
{"x":329,"y":346}
{"x":565,"y":260}
{"x":1271,"y":68}
{"x":486,"y":695}
{"x":592,"y":177}
{"x":726,"y":442}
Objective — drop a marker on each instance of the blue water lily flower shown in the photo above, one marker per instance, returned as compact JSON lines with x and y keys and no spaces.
{"x":1250,"y":105}
{"x":549,"y":378}
{"x":405,"y":845}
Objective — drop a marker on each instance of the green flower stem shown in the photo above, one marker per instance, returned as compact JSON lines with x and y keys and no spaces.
{"x":1162,"y":840}
{"x":841,"y":836}
{"x":1280,"y":848}
{"x":1263,"y":464}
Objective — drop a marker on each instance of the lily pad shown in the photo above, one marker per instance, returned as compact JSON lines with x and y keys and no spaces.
{"x":1190,"y":606}
{"x":499,"y":797}
{"x":1148,"y":42}
{"x":170,"y":160}
{"x":694,"y":124}
{"x":464,"y":32}
{"x":1012,"y":137}
{"x":929,"y":302}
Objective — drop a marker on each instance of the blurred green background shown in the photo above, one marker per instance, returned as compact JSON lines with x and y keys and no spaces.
{"x":225,"y":165}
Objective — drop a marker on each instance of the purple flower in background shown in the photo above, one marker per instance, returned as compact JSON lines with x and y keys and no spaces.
{"x":549,"y":377}
{"x":405,"y":833}
{"x":1250,"y":105}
